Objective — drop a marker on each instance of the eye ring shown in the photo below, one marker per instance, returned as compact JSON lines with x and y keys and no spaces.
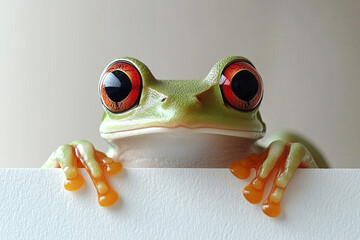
{"x":120,"y":87}
{"x":241,"y":86}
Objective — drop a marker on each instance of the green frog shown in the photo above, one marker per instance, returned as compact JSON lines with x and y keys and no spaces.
{"x":207,"y":123}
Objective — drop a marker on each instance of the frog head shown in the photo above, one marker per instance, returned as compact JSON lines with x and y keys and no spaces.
{"x":181,"y":123}
{"x":225,"y":102}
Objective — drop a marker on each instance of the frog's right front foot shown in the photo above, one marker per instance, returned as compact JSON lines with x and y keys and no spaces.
{"x":83,"y":154}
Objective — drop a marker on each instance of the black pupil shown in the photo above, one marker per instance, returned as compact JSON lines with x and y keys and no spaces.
{"x":245,"y":85}
{"x":117,"y":85}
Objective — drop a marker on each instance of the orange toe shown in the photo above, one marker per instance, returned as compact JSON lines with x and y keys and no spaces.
{"x":271,"y":209}
{"x":107,"y":199}
{"x":239,"y":170}
{"x":114,"y":168}
{"x":253,"y":195}
{"x":74,"y":184}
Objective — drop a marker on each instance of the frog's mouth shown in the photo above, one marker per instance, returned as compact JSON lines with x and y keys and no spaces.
{"x":182,"y":130}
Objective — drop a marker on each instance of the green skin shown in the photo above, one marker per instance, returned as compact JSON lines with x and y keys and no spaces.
{"x":195,"y":104}
{"x":181,"y":108}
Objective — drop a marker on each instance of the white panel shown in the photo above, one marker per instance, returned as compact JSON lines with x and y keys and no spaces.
{"x":177,"y":204}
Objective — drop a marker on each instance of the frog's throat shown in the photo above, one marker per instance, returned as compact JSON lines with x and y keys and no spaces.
{"x":182,"y":130}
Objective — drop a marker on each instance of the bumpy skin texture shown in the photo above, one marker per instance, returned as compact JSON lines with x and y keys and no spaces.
{"x":190,"y":104}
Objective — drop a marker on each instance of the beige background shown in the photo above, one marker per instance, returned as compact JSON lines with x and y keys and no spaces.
{"x":52,"y":53}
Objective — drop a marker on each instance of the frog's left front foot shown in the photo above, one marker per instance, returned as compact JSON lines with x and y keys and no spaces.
{"x":281,"y":157}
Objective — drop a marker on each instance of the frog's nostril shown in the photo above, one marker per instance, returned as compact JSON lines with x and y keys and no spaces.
{"x":164,"y":99}
{"x":199,"y":99}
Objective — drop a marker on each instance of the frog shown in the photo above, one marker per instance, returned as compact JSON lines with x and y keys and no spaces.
{"x":212,"y":122}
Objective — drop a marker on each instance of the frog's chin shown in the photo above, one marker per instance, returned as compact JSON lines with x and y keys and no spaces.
{"x":181,"y":130}
{"x":180,"y":149}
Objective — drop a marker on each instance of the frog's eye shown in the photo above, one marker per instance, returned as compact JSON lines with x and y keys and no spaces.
{"x":241,"y":86}
{"x":120,"y":87}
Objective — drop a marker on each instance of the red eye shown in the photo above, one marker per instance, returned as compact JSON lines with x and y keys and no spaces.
{"x":241,"y":86}
{"x":120,"y":87}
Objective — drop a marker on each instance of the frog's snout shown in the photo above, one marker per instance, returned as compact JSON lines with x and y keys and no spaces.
{"x":191,"y":100}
